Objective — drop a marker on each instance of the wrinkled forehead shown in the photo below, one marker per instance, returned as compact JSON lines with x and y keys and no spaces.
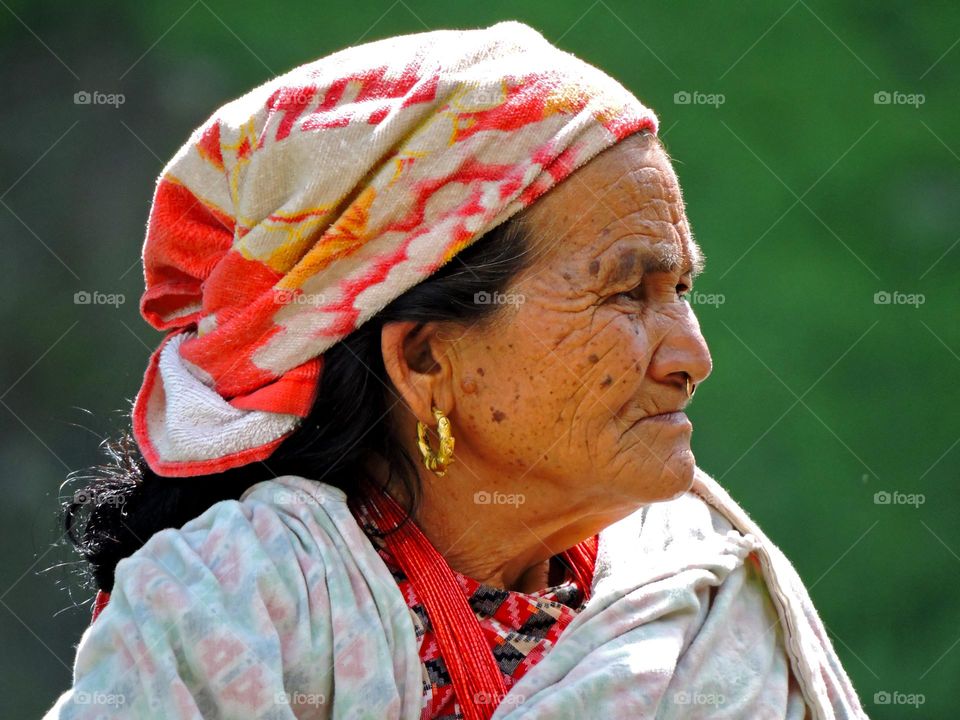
{"x":626,"y":200}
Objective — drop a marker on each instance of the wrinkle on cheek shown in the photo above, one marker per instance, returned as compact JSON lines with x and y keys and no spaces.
{"x":609,"y":346}
{"x":648,"y":324}
{"x":553,"y":298}
{"x":579,"y":396}
{"x":567,"y":327}
{"x":669,"y":318}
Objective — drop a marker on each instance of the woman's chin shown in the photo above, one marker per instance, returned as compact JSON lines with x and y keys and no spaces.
{"x":674,"y":479}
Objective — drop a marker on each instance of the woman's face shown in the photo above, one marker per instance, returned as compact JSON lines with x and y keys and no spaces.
{"x":576,"y":388}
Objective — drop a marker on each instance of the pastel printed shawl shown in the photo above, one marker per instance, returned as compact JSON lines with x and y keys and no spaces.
{"x":278,"y":606}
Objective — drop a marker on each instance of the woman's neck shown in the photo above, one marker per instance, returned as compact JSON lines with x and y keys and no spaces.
{"x":501,"y":545}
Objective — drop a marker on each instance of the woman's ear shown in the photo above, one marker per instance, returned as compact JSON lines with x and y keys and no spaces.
{"x":418,"y":364}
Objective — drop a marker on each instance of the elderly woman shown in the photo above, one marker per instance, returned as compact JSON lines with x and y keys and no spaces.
{"x":414,"y":443}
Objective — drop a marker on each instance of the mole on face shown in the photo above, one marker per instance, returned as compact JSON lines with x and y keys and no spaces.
{"x":623,"y":270}
{"x":468,"y":385}
{"x":594,"y":267}
{"x":498,"y":416}
{"x":606,"y":382}
{"x":593,"y":358}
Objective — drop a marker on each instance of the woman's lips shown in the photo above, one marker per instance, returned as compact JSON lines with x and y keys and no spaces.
{"x":677,"y":418}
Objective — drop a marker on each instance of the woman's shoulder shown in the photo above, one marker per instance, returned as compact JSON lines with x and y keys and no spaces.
{"x":286,"y":543}
{"x":290,"y":491}
{"x":239,"y":611}
{"x":273,"y":520}
{"x":686,"y":518}
{"x":680,"y":607}
{"x":276,"y":540}
{"x":680,"y":527}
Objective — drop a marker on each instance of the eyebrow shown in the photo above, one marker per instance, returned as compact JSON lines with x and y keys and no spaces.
{"x":659,"y":262}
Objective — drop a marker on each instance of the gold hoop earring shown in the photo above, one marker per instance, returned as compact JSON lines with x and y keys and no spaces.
{"x":436,"y":462}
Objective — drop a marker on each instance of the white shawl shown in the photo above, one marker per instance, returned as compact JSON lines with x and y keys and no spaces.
{"x":278,"y":606}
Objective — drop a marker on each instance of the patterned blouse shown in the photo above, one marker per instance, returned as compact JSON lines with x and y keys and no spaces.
{"x":520,"y":627}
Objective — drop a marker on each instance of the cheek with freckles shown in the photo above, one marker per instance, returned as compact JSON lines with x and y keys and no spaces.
{"x":556,"y":393}
{"x":545,"y":391}
{"x":520,"y":385}
{"x":514,"y":384}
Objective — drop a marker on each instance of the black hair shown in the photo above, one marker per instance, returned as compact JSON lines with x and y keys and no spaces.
{"x":122,"y":502}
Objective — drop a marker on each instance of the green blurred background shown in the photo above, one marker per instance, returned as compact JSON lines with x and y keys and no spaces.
{"x":809,"y":194}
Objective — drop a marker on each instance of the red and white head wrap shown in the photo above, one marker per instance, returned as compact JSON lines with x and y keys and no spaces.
{"x":300,"y":210}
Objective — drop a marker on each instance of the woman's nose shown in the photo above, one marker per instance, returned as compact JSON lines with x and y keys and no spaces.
{"x":683,"y":352}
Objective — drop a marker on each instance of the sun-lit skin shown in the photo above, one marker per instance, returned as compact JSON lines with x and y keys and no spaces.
{"x":563,"y":399}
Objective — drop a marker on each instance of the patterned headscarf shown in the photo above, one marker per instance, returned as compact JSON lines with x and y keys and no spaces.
{"x":300,"y":210}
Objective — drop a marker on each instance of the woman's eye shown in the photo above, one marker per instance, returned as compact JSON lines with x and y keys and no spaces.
{"x":639,"y":293}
